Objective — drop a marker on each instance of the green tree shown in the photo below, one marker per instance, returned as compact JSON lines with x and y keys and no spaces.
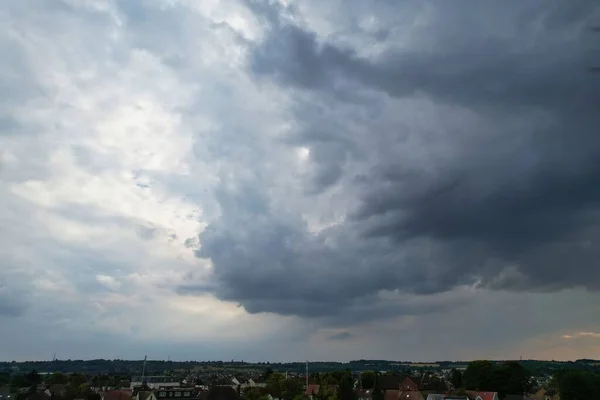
{"x":58,"y":378}
{"x":291,"y":388}
{"x":275,"y":384}
{"x":33,"y":378}
{"x":17,"y":381}
{"x":84,"y":387}
{"x":510,"y":378}
{"x":253,"y":393}
{"x":326,"y":392}
{"x":456,"y":378}
{"x":507,"y":378}
{"x":337,"y":375}
{"x":478,"y":374}
{"x":367,"y":379}
{"x":346,"y":388}
{"x":329,"y":380}
{"x":578,"y":385}
{"x":315,"y":377}
{"x":377,"y":392}
{"x":76,"y":380}
{"x":267,"y":373}
{"x":4,"y":378}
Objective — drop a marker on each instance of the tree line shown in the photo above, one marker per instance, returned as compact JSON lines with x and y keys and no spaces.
{"x":504,"y":378}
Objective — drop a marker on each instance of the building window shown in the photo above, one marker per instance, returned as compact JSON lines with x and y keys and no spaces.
{"x":186,"y":394}
{"x":162,"y":394}
{"x":177,"y":394}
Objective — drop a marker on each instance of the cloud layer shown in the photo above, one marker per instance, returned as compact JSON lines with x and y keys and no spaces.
{"x":335,"y":177}
{"x":466,"y":156}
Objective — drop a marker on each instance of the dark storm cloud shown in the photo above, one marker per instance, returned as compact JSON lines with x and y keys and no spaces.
{"x":270,"y":265}
{"x":476,"y":68}
{"x":512,"y":204}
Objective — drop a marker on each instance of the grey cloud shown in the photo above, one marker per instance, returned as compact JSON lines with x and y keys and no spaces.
{"x":340,"y":336}
{"x":495,"y":188}
{"x":11,"y":305}
{"x":497,"y":66}
{"x":270,"y":266}
{"x":400,"y":140}
{"x":16,"y":289}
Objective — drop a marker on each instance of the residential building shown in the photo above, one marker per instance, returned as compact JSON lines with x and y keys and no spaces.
{"x":154,"y":382}
{"x":123,"y":394}
{"x":408,"y":384}
{"x":222,"y":393}
{"x":185,"y":393}
{"x":436,"y":396}
{"x":410,"y":395}
{"x":364,"y":394}
{"x":483,"y":395}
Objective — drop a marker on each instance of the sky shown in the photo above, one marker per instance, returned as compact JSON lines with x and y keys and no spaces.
{"x":299,"y":179}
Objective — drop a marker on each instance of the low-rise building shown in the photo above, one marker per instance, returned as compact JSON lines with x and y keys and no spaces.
{"x":153,"y":382}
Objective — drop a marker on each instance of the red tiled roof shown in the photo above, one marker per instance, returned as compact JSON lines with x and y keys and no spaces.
{"x":364,"y":394}
{"x":391,"y":395}
{"x":312,"y":389}
{"x":123,"y":394}
{"x":409,"y":384}
{"x":411,"y":395}
{"x":487,"y":395}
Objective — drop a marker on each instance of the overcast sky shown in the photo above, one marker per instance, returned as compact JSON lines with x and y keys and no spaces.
{"x":299,"y":179}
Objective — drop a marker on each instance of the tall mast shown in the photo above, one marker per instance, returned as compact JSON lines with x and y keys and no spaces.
{"x":144,"y":369}
{"x":306,"y":374}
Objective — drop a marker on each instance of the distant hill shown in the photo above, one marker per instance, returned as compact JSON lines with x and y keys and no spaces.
{"x":153,"y":367}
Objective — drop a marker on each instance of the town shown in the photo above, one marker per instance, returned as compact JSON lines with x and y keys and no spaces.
{"x":357,"y":380}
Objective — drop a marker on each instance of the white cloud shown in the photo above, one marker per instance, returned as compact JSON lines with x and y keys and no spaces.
{"x":126,"y":128}
{"x":114,"y":171}
{"x":578,"y":335}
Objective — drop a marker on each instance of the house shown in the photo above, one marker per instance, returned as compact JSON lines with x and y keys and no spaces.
{"x":409,"y":384}
{"x":123,"y":394}
{"x":144,"y":395}
{"x":542,"y":394}
{"x":436,"y":396}
{"x":222,"y":393}
{"x":457,"y":397}
{"x":364,"y":394}
{"x":153,"y":382}
{"x":391,"y":394}
{"x":483,"y":395}
{"x":402,"y":395}
{"x":410,"y":395}
{"x":180,"y":393}
{"x":311,"y":390}
{"x":247,"y":383}
{"x":388,"y":382}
